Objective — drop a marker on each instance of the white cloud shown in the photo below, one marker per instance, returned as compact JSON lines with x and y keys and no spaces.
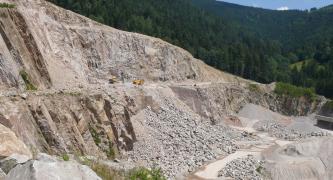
{"x":283,"y":8}
{"x":255,"y":5}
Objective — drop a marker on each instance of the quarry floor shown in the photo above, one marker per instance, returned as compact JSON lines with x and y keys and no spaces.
{"x":265,"y":144}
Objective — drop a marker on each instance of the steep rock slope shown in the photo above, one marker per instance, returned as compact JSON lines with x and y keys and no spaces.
{"x":66,"y":50}
{"x":70,"y":60}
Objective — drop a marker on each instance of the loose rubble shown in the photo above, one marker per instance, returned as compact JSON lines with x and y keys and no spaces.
{"x":281,"y":131}
{"x":179,"y":142}
{"x":71,"y":59}
{"x":243,"y":168}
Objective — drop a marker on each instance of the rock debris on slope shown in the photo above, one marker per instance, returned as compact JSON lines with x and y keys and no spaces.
{"x":179,"y":142}
{"x":281,"y":131}
{"x":243,"y":168}
{"x":277,"y":125}
{"x":59,"y":49}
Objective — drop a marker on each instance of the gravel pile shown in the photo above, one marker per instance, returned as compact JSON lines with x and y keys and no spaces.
{"x":252,"y":111}
{"x":281,"y":131}
{"x":304,"y":124}
{"x":243,"y":168}
{"x":178,"y":142}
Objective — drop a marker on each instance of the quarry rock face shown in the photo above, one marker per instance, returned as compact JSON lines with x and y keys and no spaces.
{"x":58,"y":48}
{"x":55,"y":96}
{"x":10,"y":144}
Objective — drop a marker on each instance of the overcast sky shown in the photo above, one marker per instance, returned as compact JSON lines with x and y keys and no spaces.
{"x":283,"y":4}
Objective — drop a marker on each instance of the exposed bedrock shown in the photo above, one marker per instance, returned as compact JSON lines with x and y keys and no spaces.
{"x":55,"y":96}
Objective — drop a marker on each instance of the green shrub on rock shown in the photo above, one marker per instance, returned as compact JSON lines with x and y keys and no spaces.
{"x":254,"y":88}
{"x":294,"y":91}
{"x":29,"y":86}
{"x":6,"y":5}
{"x":65,"y":157}
{"x":146,"y":174}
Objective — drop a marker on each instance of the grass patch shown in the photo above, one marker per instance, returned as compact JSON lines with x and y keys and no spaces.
{"x":73,"y":93}
{"x":6,"y":5}
{"x":294,"y":91}
{"x":95,"y":136}
{"x":106,"y":146}
{"x":146,"y":174}
{"x":107,"y":173}
{"x":110,"y":153}
{"x":65,"y":157}
{"x":29,"y":86}
{"x":254,"y":88}
{"x":104,"y":171}
{"x":298,"y":65}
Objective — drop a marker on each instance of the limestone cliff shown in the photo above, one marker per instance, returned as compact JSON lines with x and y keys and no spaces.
{"x":62,"y":49}
{"x":67,"y":61}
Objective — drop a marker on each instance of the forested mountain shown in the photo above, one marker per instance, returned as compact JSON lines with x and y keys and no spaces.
{"x":254,"y":43}
{"x":306,"y":37}
{"x":295,"y":29}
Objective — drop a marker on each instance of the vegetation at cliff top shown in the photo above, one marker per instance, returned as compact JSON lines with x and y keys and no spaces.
{"x":254,"y":43}
{"x":6,"y":5}
{"x":294,"y":91}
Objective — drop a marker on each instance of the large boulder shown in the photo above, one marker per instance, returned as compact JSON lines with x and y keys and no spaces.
{"x":50,"y":168}
{"x":10,"y":162}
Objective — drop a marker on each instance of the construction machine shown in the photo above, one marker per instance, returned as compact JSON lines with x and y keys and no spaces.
{"x":113,"y":80}
{"x":139,"y":82}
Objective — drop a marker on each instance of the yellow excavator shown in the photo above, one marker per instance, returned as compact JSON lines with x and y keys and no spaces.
{"x":113,"y":80}
{"x":139,"y":82}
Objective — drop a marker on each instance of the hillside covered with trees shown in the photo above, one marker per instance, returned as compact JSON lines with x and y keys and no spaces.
{"x":263,"y":45}
{"x":305,"y":38}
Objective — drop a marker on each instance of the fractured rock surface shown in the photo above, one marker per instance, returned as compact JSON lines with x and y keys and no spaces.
{"x":175,"y":121}
{"x":10,"y":144}
{"x":47,"y":167}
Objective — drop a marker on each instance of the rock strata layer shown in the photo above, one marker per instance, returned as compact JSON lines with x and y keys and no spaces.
{"x":56,"y":96}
